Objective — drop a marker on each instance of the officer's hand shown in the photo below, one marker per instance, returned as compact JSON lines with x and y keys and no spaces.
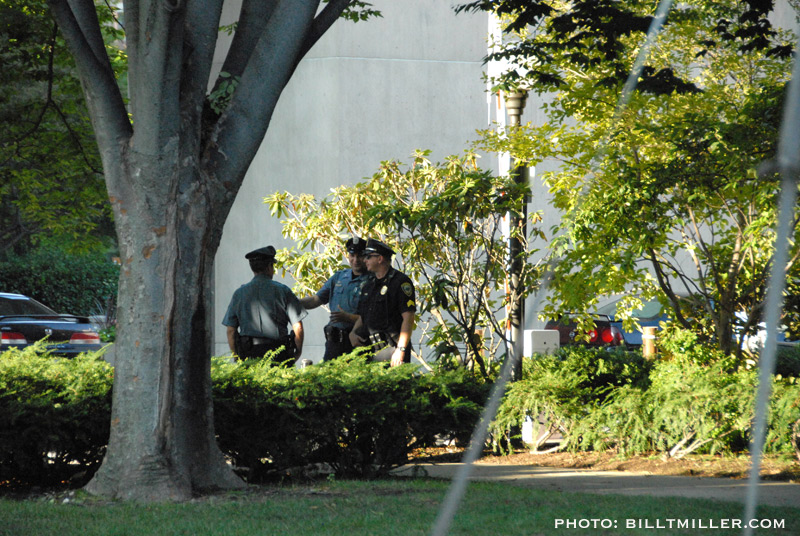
{"x":342,"y":317}
{"x":397,"y":357}
{"x":355,"y":340}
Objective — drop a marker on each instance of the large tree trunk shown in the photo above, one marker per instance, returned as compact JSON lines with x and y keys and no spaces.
{"x":162,"y":443}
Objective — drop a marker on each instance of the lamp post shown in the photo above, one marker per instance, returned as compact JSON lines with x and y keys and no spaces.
{"x":515,"y":103}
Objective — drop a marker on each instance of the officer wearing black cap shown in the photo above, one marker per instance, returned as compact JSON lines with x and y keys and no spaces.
{"x":387,"y":307}
{"x":261,"y":311}
{"x":342,"y":293}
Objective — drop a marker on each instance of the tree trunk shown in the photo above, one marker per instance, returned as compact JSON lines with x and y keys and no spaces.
{"x":172,"y":176}
{"x":162,"y":444}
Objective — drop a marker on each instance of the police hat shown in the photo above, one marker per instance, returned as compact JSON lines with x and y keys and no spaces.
{"x":376,"y":246}
{"x":355,"y":245}
{"x":267,"y":253}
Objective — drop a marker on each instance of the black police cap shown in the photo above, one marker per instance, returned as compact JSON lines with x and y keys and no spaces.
{"x":376,"y":246}
{"x":267,"y":253}
{"x":355,"y":245}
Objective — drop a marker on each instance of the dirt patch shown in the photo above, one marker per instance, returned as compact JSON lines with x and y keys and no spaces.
{"x":772,"y":467}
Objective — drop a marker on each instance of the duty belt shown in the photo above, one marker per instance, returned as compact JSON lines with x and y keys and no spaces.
{"x":381,"y":339}
{"x":262,"y":340}
{"x":334,"y":334}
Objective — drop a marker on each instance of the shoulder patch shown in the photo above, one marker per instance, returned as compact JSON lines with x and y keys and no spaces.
{"x":408,"y":288}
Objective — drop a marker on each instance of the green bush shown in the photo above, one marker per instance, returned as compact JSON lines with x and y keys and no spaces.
{"x":783,"y":436}
{"x":364,"y":418}
{"x":564,"y":388}
{"x":54,"y":415}
{"x":361,"y":418}
{"x":67,"y":283}
{"x":688,"y":407}
{"x":694,"y":401}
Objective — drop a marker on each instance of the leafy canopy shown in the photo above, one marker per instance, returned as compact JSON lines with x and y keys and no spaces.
{"x":664,"y":197}
{"x":51,"y":182}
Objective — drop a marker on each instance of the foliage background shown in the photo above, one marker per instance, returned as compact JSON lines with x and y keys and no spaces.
{"x":51,"y":182}
{"x":74,"y":283}
{"x":666,"y":196}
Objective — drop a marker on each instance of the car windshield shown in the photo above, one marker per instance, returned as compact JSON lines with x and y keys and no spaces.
{"x":22,"y":306}
{"x":650,"y":309}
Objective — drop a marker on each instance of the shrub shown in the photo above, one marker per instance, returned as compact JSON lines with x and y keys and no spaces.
{"x":361,"y":418}
{"x":65,"y":282}
{"x":563,"y":388}
{"x":688,"y":407}
{"x":54,"y":415}
{"x":696,"y":406}
{"x":783,"y":435}
{"x":684,"y":345}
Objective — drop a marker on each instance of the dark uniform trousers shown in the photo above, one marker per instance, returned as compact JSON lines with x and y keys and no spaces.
{"x":337,"y":343}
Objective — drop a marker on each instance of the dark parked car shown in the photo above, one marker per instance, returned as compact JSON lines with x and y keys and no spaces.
{"x":603,"y":333}
{"x":23,"y":321}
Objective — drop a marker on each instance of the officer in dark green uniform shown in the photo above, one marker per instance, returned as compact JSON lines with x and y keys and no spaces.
{"x":386,"y":309}
{"x":261,"y":311}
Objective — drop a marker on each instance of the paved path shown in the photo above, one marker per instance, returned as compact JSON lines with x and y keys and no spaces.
{"x":616,"y":482}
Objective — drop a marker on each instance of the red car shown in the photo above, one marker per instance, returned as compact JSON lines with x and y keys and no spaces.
{"x":602,"y":334}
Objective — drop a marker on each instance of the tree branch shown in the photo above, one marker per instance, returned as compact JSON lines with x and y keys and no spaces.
{"x":253,"y":18}
{"x":81,"y":31}
{"x":322,"y":24}
{"x":155,"y":72}
{"x":201,"y":31}
{"x":240,"y":130}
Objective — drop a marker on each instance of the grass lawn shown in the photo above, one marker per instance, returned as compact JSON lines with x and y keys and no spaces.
{"x":386,"y":507}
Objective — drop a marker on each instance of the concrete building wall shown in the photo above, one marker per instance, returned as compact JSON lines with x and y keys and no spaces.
{"x":367,"y":92}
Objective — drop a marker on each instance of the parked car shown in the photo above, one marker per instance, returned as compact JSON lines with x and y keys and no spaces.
{"x":651,"y":314}
{"x":604,"y":333}
{"x":23,"y":321}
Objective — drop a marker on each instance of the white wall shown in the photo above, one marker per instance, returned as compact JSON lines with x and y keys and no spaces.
{"x":367,"y":92}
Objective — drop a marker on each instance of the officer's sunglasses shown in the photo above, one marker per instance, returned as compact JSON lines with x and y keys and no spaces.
{"x":370,"y":255}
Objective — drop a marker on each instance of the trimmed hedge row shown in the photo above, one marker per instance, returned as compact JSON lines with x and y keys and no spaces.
{"x":361,"y":419}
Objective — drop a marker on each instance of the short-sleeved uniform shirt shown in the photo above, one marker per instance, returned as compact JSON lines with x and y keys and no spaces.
{"x":343,"y":291}
{"x":264,"y":308}
{"x":383,"y":302}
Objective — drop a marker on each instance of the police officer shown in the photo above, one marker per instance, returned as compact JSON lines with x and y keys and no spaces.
{"x":342,"y":292}
{"x":261,"y":311}
{"x":387,"y":307}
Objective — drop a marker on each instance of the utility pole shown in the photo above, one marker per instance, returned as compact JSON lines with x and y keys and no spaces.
{"x":515,"y":103}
